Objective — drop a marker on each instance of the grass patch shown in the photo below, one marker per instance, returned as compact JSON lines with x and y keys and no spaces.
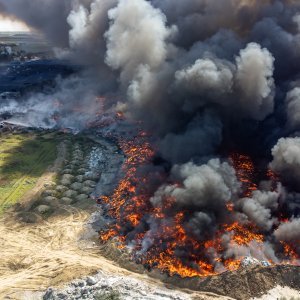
{"x":23,"y":159}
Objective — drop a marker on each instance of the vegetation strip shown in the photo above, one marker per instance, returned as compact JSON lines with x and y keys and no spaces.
{"x":23,"y":159}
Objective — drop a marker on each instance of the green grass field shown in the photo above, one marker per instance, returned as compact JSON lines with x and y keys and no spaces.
{"x":23,"y":159}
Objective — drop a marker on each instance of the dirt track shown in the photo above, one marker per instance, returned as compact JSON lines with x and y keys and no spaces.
{"x":34,"y":257}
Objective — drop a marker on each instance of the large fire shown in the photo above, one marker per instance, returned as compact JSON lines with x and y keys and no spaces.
{"x":130,"y":204}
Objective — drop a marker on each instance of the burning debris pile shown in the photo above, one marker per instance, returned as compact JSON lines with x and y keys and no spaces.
{"x":160,"y":220}
{"x":213,"y":176}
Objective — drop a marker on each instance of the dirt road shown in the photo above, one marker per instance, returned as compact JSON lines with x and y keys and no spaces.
{"x":34,"y":257}
{"x":52,"y":253}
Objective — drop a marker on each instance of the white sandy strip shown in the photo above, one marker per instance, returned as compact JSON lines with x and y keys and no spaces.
{"x":280,"y":292}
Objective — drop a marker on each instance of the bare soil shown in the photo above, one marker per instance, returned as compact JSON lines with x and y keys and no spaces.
{"x":245,"y":283}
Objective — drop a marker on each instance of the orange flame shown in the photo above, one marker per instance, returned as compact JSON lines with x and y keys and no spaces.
{"x":130,"y":203}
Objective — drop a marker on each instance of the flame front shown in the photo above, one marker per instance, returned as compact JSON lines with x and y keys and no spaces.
{"x":131,"y":208}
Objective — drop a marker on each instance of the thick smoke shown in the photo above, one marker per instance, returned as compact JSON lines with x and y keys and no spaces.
{"x":137,"y":36}
{"x":50,"y":17}
{"x":197,"y":194}
{"x":260,"y":208}
{"x":86,"y":36}
{"x":202,"y":135}
{"x":289,"y":232}
{"x":199,"y":184}
{"x":206,"y":78}
{"x":247,"y":86}
{"x":255,"y":81}
{"x":286,"y":159}
{"x":293,"y":109}
{"x":211,"y":78}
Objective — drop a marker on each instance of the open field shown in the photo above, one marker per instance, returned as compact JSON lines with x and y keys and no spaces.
{"x":56,"y":251}
{"x":23,"y":159}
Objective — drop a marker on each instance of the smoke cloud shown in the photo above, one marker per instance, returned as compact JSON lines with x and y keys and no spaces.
{"x":255,"y":80}
{"x":199,"y":184}
{"x":197,"y":193}
{"x":50,"y":17}
{"x":288,"y":231}
{"x":293,"y":108}
{"x":206,"y":79}
{"x":286,"y":159}
{"x":137,"y":36}
{"x":260,"y":208}
{"x":86,"y":35}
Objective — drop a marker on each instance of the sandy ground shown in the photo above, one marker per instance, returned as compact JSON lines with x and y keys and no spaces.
{"x":52,"y":253}
{"x":280,"y":292}
{"x":34,"y":257}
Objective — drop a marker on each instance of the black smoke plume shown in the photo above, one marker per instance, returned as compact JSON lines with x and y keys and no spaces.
{"x":206,"y":78}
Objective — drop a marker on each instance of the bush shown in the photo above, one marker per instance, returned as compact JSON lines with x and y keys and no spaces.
{"x":113,"y":295}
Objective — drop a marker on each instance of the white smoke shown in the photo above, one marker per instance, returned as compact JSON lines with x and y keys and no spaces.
{"x":207,"y":76}
{"x":286,"y":159}
{"x":86,"y":36}
{"x":203,"y":186}
{"x":255,"y":81}
{"x":293,"y":108}
{"x":260,"y":208}
{"x":288,"y":232}
{"x":137,"y":36}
